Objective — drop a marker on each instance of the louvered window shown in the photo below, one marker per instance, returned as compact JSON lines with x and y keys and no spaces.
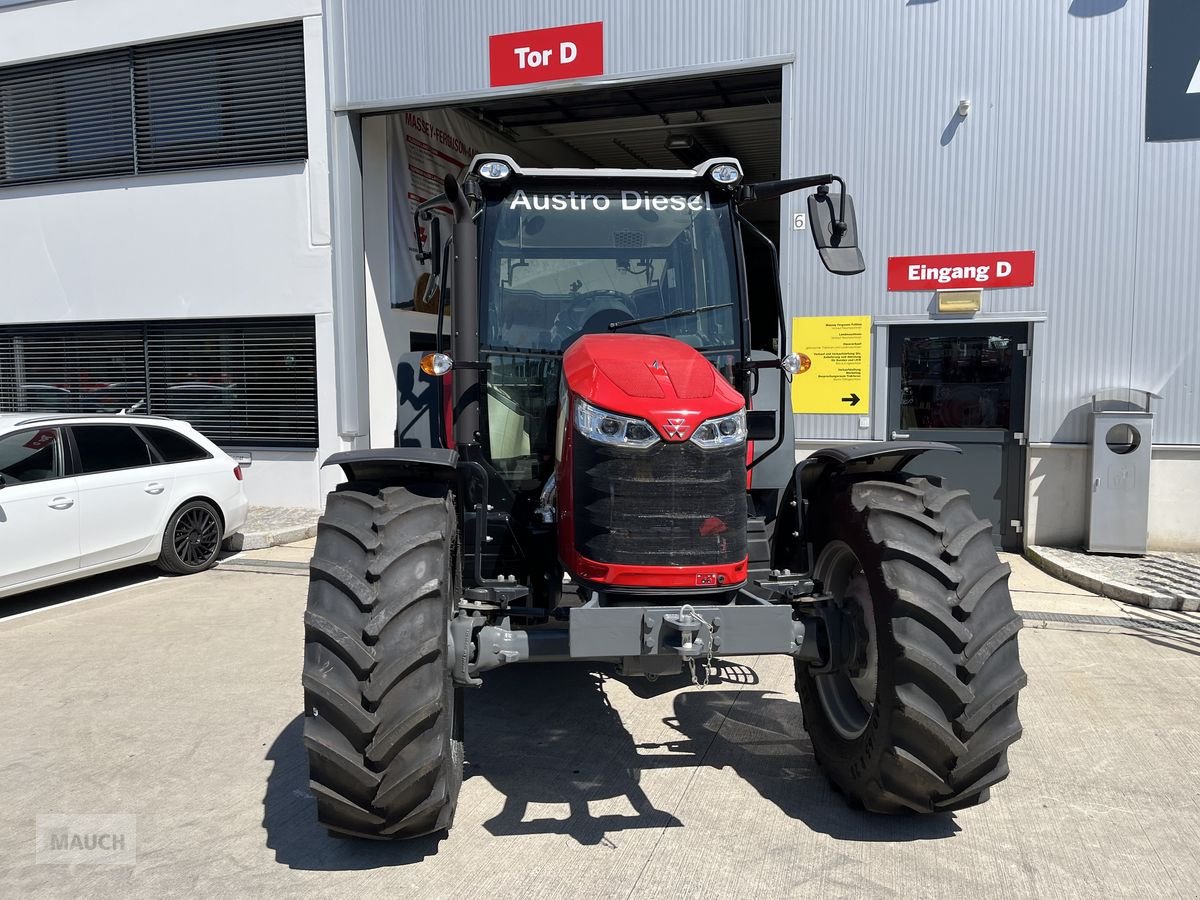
{"x":241,"y":382}
{"x":219,"y":100}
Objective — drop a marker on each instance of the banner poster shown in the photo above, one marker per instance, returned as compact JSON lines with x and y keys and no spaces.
{"x":424,"y":146}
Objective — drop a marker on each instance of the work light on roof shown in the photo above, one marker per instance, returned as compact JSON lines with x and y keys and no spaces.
{"x":494,"y":170}
{"x":724,"y":174}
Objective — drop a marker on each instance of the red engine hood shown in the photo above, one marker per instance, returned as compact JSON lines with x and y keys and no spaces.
{"x":655,"y":378}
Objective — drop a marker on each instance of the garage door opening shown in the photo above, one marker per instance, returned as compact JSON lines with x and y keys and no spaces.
{"x":657,"y":125}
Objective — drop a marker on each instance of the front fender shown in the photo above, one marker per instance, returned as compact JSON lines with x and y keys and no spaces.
{"x":397,"y":465}
{"x":792,"y":525}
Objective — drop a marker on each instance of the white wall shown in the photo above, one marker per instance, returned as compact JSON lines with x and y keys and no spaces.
{"x":388,"y":329}
{"x":1056,"y":498}
{"x":1175,"y":499}
{"x":230,"y":242}
{"x":76,"y":26}
{"x":1056,"y":511}
{"x":240,"y":241}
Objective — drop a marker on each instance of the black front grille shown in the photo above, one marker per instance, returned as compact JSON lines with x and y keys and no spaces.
{"x":667,"y":505}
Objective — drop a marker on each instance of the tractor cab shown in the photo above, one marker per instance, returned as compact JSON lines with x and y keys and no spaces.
{"x":561,"y":260}
{"x":554,"y":254}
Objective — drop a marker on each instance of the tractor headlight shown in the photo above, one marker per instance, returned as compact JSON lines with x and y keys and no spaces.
{"x":494,"y":170}
{"x":721,"y":432}
{"x":609,"y":428}
{"x":724,"y":174}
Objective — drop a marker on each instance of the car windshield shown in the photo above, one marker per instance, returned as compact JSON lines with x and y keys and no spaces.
{"x":561,"y":262}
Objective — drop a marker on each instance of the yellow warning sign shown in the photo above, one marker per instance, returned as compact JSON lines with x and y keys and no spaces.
{"x":835,"y":364}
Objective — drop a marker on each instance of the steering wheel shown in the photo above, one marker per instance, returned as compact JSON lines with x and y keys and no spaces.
{"x":591,"y":313}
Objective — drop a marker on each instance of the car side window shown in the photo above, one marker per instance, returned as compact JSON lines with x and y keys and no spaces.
{"x":105,"y":448}
{"x":33,"y":455}
{"x":172,"y":446}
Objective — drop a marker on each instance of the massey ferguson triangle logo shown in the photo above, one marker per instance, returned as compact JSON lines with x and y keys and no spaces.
{"x":676,"y":429}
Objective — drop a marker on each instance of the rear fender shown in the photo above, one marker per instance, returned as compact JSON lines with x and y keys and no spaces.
{"x":798,"y":513}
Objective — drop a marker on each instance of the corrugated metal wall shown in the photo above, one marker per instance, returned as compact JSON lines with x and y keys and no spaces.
{"x":1051,"y":158}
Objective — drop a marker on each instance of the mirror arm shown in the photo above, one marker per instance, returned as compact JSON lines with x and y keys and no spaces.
{"x":839,"y":226}
{"x":769,"y":190}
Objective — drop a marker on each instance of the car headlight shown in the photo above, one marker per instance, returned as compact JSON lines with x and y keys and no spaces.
{"x":609,"y":428}
{"x":724,"y":431}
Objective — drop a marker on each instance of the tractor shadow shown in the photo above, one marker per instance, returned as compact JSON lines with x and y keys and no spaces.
{"x":551,"y":735}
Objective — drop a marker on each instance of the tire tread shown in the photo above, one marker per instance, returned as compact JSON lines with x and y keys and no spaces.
{"x":954,"y":671}
{"x":384,"y":762}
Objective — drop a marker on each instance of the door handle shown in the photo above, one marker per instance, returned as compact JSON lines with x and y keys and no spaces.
{"x":62,"y":503}
{"x":896,"y":435}
{"x":154,"y":488}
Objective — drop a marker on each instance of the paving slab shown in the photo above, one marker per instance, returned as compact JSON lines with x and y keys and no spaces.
{"x":178,"y":702}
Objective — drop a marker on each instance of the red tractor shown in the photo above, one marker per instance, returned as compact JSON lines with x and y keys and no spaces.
{"x":600,"y":467}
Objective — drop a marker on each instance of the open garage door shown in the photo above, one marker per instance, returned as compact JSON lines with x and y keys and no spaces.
{"x":662,"y":124}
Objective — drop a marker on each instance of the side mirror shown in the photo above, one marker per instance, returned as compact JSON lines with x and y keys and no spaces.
{"x":835,"y":231}
{"x":435,"y":246}
{"x":760,"y":425}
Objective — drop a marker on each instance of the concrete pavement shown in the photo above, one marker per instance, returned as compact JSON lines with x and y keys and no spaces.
{"x":178,"y":701}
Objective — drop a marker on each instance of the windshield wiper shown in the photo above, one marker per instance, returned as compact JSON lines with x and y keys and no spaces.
{"x":673,"y":314}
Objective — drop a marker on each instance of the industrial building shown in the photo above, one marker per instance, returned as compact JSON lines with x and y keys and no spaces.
{"x":206,"y":211}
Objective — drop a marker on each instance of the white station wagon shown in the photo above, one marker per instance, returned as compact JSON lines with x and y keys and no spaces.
{"x":86,"y":494}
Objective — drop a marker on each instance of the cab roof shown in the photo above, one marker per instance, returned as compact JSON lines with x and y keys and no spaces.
{"x":700,"y":171}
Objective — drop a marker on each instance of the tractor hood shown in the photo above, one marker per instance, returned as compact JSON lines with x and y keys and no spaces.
{"x":652,"y":377}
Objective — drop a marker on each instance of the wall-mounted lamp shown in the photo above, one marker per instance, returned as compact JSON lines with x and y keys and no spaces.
{"x":960,"y":301}
{"x":964,"y":107}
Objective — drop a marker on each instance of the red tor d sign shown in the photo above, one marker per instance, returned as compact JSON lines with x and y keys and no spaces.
{"x":547,"y":54}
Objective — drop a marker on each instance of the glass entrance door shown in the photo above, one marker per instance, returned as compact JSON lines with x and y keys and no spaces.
{"x":965,"y":385}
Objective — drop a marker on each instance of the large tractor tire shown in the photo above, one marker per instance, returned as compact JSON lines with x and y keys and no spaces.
{"x":922,"y":718}
{"x":382,"y":718}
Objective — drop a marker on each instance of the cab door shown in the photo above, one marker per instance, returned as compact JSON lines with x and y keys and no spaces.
{"x":39,"y":512}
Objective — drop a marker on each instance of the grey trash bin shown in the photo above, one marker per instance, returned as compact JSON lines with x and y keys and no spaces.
{"x":1119,"y":483}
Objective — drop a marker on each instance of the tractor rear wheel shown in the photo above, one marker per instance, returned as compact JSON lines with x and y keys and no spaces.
{"x":921,"y":717}
{"x":382,"y":718}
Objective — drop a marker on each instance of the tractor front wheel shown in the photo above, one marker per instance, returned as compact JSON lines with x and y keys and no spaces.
{"x":918,"y":715}
{"x":382,"y":718}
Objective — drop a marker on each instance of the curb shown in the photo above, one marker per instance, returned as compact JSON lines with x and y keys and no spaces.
{"x":259,"y":540}
{"x":1114,"y":590}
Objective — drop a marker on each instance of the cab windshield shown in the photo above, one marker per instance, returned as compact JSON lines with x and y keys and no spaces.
{"x":565,"y":261}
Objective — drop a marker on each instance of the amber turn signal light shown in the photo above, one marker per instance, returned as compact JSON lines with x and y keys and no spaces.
{"x":436,"y":364}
